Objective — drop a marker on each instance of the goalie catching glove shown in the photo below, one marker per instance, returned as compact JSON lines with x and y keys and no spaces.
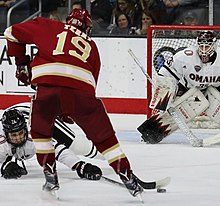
{"x":87,"y":170}
{"x":12,"y":170}
{"x":23,"y":71}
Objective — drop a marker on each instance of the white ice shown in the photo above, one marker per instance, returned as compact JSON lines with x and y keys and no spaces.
{"x":194,"y":172}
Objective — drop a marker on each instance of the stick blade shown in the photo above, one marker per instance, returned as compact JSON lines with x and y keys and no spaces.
{"x":163,"y":182}
{"x":211,"y":140}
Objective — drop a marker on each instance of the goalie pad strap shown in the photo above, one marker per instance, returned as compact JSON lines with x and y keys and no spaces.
{"x":213,"y":111}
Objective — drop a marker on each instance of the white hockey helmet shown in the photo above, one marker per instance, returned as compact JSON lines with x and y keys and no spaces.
{"x":206,"y":41}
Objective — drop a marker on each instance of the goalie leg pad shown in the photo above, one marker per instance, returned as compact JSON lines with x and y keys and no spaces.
{"x":213,"y":111}
{"x":191,"y":104}
{"x":157,"y":127}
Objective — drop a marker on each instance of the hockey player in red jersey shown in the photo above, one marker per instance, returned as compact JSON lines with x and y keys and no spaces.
{"x":65,"y":72}
{"x":194,"y":74}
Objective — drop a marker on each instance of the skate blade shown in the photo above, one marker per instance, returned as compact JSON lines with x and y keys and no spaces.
{"x":55,"y":193}
{"x":139,"y":196}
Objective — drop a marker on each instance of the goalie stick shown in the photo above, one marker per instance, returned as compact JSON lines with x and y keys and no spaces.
{"x":141,"y":67}
{"x":194,"y":141}
{"x":157,"y":184}
{"x":211,"y":140}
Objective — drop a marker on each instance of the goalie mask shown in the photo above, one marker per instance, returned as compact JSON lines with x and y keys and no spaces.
{"x":81,"y":19}
{"x":206,"y":42}
{"x":14,"y":127}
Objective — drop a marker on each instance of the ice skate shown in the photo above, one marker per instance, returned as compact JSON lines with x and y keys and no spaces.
{"x":131,"y":183}
{"x":51,"y":184}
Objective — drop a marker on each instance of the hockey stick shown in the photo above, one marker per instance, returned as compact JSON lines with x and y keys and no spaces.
{"x":121,"y":185}
{"x":157,"y":184}
{"x":112,"y":181}
{"x":194,"y":141}
{"x":141,"y":67}
{"x":211,"y":140}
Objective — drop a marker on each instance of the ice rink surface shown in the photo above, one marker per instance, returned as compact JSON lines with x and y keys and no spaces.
{"x":194,"y":172}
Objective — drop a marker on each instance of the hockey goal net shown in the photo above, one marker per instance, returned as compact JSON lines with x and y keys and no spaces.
{"x":163,"y":42}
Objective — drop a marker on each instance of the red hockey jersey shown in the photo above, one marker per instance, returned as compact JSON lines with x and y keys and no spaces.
{"x":66,"y":56}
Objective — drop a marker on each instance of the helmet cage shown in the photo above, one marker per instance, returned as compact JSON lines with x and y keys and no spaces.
{"x":206,"y":42}
{"x":13,"y":121}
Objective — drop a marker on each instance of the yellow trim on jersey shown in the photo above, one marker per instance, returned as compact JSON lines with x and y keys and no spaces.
{"x":110,"y":149}
{"x":65,"y":70}
{"x":45,"y":151}
{"x":43,"y":140}
{"x":44,"y":144}
{"x":116,"y":158}
{"x":113,"y":153}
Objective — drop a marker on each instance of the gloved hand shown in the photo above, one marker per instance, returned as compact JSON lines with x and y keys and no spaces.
{"x":12,"y":171}
{"x":87,"y":170}
{"x":23,"y":71}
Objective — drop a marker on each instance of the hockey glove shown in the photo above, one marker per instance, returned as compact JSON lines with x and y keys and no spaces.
{"x":12,"y":171}
{"x":87,"y":170}
{"x":23,"y":72}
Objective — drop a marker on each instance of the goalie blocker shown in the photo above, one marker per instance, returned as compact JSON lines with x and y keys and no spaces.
{"x":189,"y":105}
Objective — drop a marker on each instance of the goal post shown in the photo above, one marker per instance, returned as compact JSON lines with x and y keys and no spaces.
{"x":163,"y":41}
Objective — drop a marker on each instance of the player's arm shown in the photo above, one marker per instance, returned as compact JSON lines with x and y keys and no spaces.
{"x":63,"y":138}
{"x":83,"y":169}
{"x":174,"y":68}
{"x":169,"y":69}
{"x":95,"y":60}
{"x":79,"y":144}
{"x":166,"y":86}
{"x":22,"y":61}
{"x":17,"y":36}
{"x":170,"y":83}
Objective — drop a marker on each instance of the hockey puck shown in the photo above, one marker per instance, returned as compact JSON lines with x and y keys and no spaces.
{"x":160,"y":190}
